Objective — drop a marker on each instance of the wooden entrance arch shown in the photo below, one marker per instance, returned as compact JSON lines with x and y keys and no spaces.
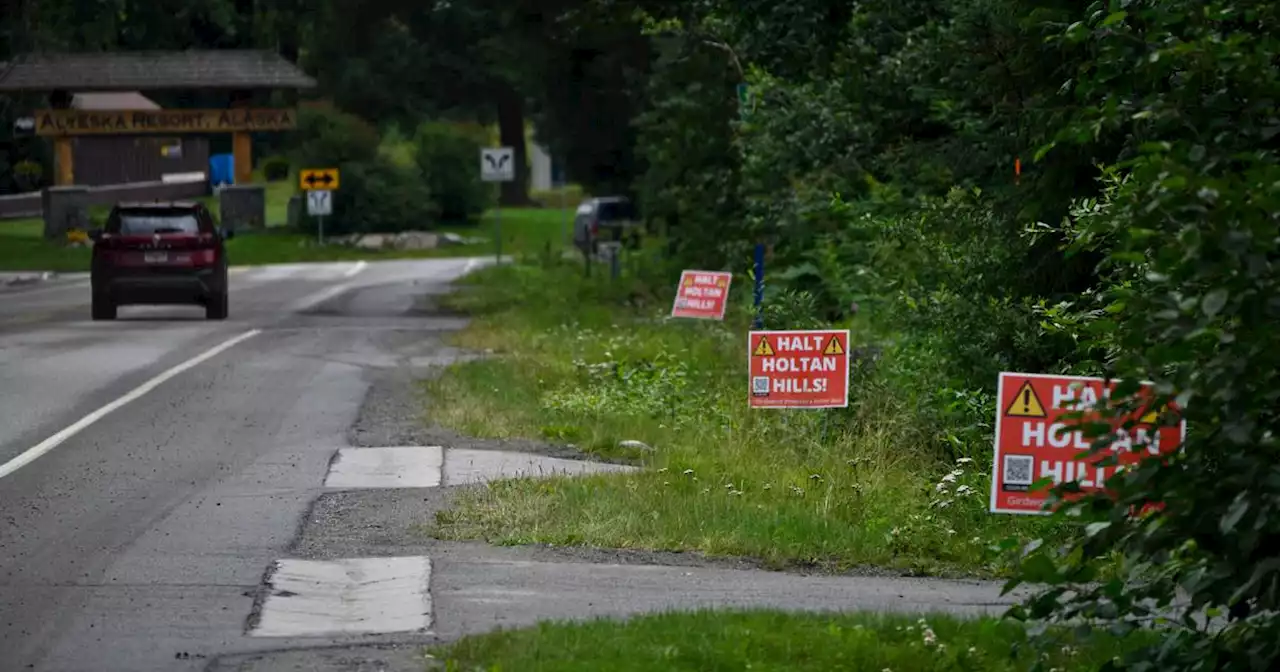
{"x":242,"y":77}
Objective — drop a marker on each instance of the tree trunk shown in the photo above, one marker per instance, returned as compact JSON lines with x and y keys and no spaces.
{"x":511,"y":134}
{"x":245,"y":9}
{"x":288,"y":29}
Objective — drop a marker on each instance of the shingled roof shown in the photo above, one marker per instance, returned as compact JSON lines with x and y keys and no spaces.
{"x":152,"y":71}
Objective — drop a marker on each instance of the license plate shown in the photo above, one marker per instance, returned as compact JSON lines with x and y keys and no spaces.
{"x":155,"y":257}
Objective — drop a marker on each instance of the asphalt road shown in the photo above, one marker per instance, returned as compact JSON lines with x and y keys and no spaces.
{"x":155,"y":470}
{"x":135,"y":538}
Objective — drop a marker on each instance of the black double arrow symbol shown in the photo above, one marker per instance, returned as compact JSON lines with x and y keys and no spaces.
{"x":497,"y":161}
{"x":323,"y":178}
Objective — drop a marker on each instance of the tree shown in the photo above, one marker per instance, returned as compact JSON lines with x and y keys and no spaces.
{"x":403,"y":63}
{"x":1189,"y":229}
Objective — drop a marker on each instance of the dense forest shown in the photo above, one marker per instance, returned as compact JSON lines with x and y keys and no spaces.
{"x":1030,"y":185}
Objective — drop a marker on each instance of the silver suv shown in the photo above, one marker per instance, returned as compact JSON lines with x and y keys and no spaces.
{"x":608,"y":218}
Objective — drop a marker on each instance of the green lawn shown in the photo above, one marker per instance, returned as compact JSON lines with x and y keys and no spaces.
{"x":22,"y":247}
{"x":581,"y":364}
{"x":764,"y":641}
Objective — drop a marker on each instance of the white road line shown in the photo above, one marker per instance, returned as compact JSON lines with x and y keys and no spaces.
{"x":356,"y":268}
{"x":69,"y":285}
{"x":34,"y":452}
{"x":320,"y":297}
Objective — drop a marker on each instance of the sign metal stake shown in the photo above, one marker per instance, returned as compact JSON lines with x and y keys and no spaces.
{"x":497,"y":164}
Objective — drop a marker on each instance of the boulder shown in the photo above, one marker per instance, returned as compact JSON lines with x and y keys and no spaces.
{"x":372,"y":241}
{"x":451,"y":239}
{"x":415,"y":240}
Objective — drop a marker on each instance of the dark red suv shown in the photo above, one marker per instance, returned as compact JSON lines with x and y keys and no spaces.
{"x":159,"y":253}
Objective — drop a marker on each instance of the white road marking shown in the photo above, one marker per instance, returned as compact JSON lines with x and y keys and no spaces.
{"x":69,"y":285}
{"x":320,"y":297}
{"x":355,"y":268}
{"x":31,"y":454}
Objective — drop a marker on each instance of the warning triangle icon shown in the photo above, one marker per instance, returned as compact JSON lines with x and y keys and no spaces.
{"x":763,"y":349}
{"x":834,"y":347}
{"x":1026,"y":404}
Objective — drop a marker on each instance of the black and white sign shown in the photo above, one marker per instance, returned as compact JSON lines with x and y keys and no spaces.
{"x":319,"y":203}
{"x":497,"y":164}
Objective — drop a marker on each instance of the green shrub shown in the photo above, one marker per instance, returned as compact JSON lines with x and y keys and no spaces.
{"x":327,"y":136}
{"x":1188,"y":228}
{"x":448,"y":157}
{"x":28,"y":175}
{"x":397,"y":146}
{"x":377,"y":195}
{"x":275,"y":169}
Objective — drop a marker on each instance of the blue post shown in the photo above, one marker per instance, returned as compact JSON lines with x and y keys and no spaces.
{"x":759,"y":289}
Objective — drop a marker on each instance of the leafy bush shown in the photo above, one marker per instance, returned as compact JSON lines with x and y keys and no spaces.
{"x":397,"y":147}
{"x":327,"y":136}
{"x":686,"y":141}
{"x":448,"y":157}
{"x":1188,"y":227}
{"x":275,"y":169}
{"x":28,"y":175}
{"x":377,"y":195}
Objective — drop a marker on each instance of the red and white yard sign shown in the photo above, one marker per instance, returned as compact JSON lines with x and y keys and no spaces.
{"x":799,"y":369}
{"x":702,"y":294}
{"x":1034,"y":440}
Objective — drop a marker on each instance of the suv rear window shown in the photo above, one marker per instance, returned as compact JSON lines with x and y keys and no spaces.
{"x":152,"y":222}
{"x":617,"y":210}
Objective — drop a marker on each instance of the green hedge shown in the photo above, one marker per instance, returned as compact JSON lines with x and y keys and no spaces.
{"x":376,"y":195}
{"x":448,"y":157}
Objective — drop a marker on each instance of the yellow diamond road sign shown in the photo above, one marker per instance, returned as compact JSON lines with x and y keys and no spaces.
{"x":318,"y":179}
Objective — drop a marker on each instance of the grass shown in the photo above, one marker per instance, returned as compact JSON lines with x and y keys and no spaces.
{"x":708,"y":641}
{"x":23,"y":248}
{"x":592,"y":363}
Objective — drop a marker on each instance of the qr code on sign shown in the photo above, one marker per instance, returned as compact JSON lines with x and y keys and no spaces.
{"x":1017,"y":469}
{"x":760,"y":386}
